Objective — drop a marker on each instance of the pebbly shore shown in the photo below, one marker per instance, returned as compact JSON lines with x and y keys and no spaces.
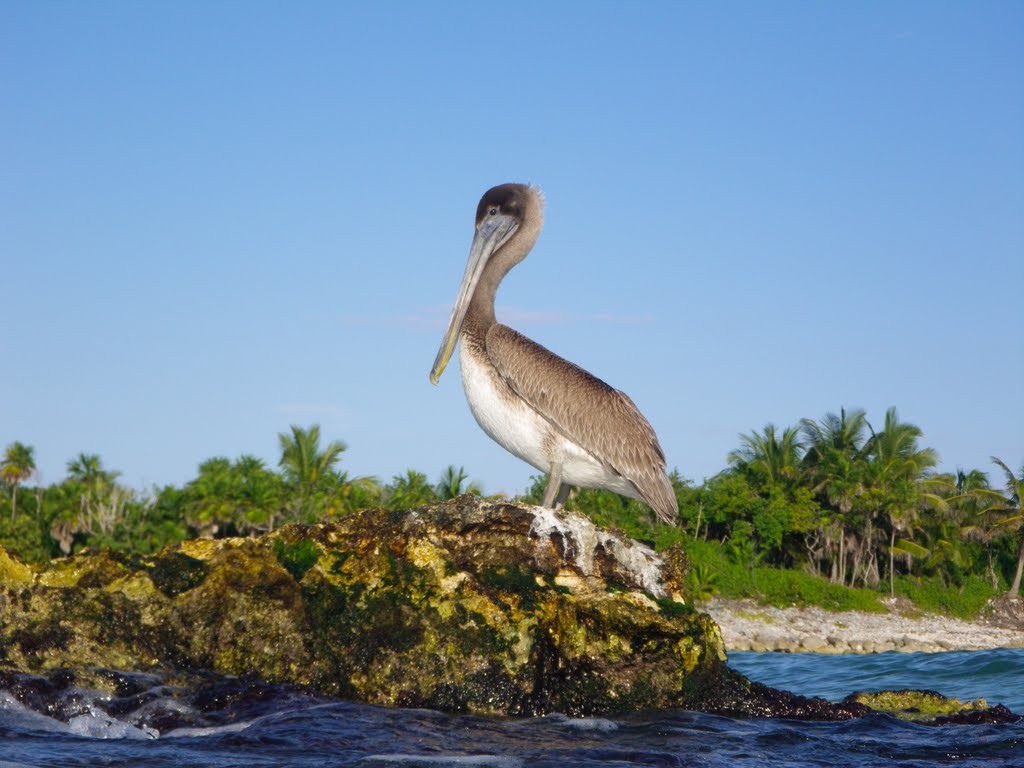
{"x":747,"y":626}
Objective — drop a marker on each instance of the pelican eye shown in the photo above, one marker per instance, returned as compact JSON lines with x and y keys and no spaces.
{"x":492,"y":212}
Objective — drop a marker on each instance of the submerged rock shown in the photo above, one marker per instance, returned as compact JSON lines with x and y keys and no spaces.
{"x":493,"y":608}
{"x":931,"y":708}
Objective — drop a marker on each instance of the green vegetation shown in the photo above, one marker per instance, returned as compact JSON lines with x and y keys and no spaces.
{"x":17,"y":467}
{"x":963,"y":601}
{"x":296,"y":558}
{"x":717,"y":572}
{"x":832,"y":513}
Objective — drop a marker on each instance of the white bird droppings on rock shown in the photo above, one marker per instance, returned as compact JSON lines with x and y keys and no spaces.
{"x":583,"y":541}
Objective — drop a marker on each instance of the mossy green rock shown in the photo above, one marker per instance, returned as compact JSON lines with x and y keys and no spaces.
{"x":470,"y":605}
{"x":925,"y":707}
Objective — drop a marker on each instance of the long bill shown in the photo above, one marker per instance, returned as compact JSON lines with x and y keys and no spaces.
{"x":490,"y":235}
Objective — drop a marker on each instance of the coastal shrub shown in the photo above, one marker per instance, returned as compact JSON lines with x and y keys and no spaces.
{"x":27,"y":534}
{"x":730,"y":579}
{"x":934,"y":596}
{"x":773,"y":586}
{"x":782,"y":588}
{"x":703,"y":582}
{"x":741,"y":546}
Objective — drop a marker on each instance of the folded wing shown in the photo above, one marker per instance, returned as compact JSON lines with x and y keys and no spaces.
{"x":595,"y":416}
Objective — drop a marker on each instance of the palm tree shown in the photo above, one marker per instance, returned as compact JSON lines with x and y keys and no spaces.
{"x":969,"y":515}
{"x":409,"y":490}
{"x":208,"y":499}
{"x":256,"y":491}
{"x":1012,"y":518}
{"x":17,"y":466}
{"x":843,"y":434}
{"x":969,"y":482}
{"x":302,"y":460}
{"x":835,"y":466}
{"x":967,"y":497}
{"x":453,"y":484}
{"x":771,"y":458}
{"x":356,"y":493}
{"x":898,"y":470}
{"x":896,"y":446}
{"x":309,"y":470}
{"x":87,"y":469}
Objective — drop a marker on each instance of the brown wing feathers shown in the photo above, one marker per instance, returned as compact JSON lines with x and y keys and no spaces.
{"x":597,"y":417}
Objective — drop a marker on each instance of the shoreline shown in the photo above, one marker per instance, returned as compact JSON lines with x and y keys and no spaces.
{"x":748,"y":626}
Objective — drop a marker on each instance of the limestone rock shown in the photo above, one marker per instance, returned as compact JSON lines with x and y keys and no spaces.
{"x":487,"y":607}
{"x":470,"y":605}
{"x":812,"y":643}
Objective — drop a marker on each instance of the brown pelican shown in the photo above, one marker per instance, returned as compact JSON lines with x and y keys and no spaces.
{"x":543,"y":409}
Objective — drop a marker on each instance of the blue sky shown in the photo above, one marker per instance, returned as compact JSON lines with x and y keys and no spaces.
{"x":219,"y":219}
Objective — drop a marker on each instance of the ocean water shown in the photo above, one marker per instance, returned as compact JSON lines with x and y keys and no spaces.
{"x":250,"y":724}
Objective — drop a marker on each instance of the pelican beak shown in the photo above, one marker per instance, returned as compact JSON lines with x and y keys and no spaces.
{"x":491,"y":233}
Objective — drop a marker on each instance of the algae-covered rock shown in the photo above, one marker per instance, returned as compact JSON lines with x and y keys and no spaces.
{"x":931,"y":708}
{"x":470,"y":605}
{"x":13,"y":571}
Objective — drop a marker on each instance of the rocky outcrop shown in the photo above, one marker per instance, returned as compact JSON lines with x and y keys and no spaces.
{"x":477,"y":606}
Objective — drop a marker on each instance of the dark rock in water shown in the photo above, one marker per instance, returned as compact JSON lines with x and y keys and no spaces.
{"x":493,"y":608}
{"x":736,"y":696}
{"x":931,"y":708}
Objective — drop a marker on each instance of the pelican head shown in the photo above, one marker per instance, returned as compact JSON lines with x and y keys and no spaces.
{"x":503,"y":213}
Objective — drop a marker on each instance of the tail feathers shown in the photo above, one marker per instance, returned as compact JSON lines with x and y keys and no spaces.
{"x":661,"y":497}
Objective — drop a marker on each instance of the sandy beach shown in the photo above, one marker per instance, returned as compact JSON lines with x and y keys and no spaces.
{"x":747,"y":626}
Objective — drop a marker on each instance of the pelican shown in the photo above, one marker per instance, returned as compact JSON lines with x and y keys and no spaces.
{"x":550,"y":413}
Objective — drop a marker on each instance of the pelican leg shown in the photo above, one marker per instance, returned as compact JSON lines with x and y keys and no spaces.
{"x":554,"y":488}
{"x":563,"y":494}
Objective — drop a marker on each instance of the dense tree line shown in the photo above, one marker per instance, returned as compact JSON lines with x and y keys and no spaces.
{"x":857,"y":505}
{"x":832,"y":497}
{"x":228,"y":497}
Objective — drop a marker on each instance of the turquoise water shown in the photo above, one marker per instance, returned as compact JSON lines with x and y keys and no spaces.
{"x":253,"y":724}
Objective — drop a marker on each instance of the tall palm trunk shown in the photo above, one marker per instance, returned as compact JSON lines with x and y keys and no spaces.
{"x":14,"y":500}
{"x":842,"y":556}
{"x":828,"y":557}
{"x":892,"y":560}
{"x":858,"y":558}
{"x":1015,"y":587}
{"x":872,"y":553}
